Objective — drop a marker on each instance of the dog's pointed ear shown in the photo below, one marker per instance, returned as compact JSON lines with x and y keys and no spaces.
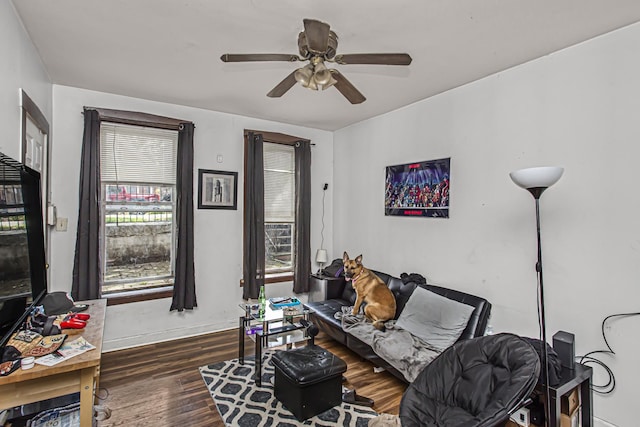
{"x":359,"y":259}
{"x":345,"y":257}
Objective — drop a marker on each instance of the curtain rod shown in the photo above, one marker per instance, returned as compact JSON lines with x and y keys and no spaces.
{"x":137,"y":118}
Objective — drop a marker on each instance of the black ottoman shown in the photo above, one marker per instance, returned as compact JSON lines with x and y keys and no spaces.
{"x":308,"y":380}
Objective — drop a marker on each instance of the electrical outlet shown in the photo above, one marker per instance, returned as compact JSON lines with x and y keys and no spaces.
{"x":61,"y":224}
{"x":522,"y":417}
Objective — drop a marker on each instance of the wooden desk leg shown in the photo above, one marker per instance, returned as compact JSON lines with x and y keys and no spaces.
{"x":86,"y":396}
{"x":96,"y":385}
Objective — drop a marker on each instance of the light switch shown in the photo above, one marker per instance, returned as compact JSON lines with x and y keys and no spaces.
{"x":220,"y":158}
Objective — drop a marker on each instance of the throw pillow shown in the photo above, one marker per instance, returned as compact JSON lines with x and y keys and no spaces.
{"x":437,"y":320}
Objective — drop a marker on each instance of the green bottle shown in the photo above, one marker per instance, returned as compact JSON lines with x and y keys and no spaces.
{"x":262,"y":300}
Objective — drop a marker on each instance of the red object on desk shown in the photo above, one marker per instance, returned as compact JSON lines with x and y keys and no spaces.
{"x":73,"y":324}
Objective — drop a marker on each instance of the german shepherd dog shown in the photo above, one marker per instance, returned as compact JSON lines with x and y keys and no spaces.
{"x":381,"y":304}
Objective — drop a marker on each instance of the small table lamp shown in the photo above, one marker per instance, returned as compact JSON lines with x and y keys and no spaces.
{"x":321,"y":258}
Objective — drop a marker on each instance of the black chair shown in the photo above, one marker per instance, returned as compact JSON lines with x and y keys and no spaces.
{"x":474,"y":383}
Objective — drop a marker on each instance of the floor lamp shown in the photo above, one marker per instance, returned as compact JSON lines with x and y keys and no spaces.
{"x":535,"y":181}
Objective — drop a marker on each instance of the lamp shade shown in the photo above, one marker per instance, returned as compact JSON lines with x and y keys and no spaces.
{"x":321,"y":256}
{"x":541,"y":177}
{"x":304,"y":75}
{"x":322,"y":74}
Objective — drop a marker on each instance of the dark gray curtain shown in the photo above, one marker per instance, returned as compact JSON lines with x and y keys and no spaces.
{"x":87,"y":269}
{"x":253,"y":247}
{"x":184,"y":287}
{"x":302,"y":268}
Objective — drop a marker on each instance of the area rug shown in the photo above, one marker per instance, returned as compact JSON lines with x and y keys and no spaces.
{"x":243,"y":404}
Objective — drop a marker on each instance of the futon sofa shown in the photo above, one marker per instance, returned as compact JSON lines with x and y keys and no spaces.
{"x":398,"y":350}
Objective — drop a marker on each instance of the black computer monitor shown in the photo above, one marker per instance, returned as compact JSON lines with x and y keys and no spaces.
{"x":23,"y":276}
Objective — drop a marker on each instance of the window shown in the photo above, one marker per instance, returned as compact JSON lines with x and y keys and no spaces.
{"x":138,"y":189}
{"x":279,"y":207}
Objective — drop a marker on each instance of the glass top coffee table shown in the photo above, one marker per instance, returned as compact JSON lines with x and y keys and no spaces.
{"x":271,"y":327}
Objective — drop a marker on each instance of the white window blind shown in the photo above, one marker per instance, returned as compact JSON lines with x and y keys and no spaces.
{"x":279,"y":183}
{"x":137,"y":154}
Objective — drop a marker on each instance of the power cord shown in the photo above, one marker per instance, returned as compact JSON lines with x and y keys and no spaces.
{"x":589,"y":359}
{"x":101,"y":412}
{"x":324,"y":192}
{"x":97,"y":393}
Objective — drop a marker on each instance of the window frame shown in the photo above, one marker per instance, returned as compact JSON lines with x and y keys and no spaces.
{"x":274,"y":138}
{"x":290,"y":223}
{"x":104,"y":211}
{"x":145,"y":120}
{"x":277,"y":271}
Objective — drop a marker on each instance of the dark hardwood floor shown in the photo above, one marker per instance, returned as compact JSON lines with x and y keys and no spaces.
{"x":160,"y":385}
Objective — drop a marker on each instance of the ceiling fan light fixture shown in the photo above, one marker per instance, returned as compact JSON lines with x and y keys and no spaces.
{"x":318,"y":44}
{"x":304,"y":75}
{"x":330,"y":83}
{"x":312,"y":84}
{"x":322,"y":75}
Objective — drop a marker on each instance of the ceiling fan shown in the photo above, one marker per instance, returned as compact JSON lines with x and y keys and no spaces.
{"x":317,"y":44}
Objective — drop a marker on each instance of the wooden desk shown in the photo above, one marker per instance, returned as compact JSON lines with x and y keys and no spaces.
{"x":78,"y":374}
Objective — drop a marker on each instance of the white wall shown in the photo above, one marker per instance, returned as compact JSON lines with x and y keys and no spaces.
{"x":20,"y":68}
{"x":578,"y":108}
{"x":218,"y":233}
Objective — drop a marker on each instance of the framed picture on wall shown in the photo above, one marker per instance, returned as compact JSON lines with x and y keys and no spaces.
{"x":418,"y":189}
{"x":217,"y":189}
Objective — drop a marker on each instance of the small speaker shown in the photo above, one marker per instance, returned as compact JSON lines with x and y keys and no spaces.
{"x":564,"y":345}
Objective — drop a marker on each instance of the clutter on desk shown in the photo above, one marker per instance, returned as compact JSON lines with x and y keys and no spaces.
{"x":55,"y":303}
{"x":66,"y":351}
{"x":43,"y":336}
{"x":8,"y":367}
{"x":46,"y":345}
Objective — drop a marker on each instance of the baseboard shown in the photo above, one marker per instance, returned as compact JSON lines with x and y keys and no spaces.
{"x":597,"y":422}
{"x":163,"y":336}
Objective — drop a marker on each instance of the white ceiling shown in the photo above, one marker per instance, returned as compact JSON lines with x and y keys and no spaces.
{"x":169,"y":50}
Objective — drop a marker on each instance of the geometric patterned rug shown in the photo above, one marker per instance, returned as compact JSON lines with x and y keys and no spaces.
{"x":243,"y":404}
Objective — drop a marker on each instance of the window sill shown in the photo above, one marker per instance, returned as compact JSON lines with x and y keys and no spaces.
{"x":137,"y":296}
{"x":279,"y":277}
{"x":275,"y":278}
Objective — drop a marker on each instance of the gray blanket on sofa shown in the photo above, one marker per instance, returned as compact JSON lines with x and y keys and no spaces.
{"x":404,"y":351}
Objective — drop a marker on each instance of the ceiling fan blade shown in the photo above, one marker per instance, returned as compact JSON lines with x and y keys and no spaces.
{"x":347,"y":89}
{"x":250,"y":57}
{"x":317,"y":34}
{"x":283,"y":86}
{"x":374,"y":58}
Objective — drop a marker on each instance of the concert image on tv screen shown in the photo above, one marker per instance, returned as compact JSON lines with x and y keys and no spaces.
{"x":418,"y":189}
